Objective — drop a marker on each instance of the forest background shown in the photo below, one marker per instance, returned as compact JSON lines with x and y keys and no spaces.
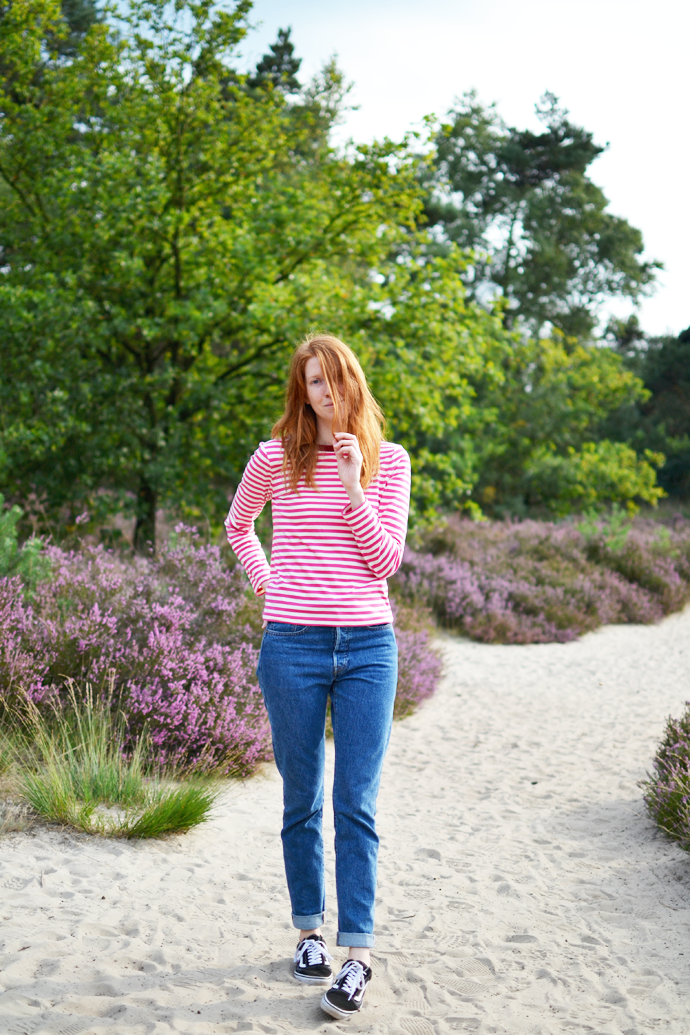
{"x":170,"y":228}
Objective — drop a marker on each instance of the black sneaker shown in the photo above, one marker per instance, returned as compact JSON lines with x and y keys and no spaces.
{"x":311,"y":961}
{"x":344,"y":997}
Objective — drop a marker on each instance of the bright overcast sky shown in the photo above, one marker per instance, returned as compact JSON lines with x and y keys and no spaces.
{"x":619,"y":66}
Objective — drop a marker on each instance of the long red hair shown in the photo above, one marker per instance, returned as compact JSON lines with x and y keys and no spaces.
{"x":355,"y":409}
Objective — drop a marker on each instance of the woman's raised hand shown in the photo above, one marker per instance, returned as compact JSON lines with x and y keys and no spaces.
{"x":349,"y":458}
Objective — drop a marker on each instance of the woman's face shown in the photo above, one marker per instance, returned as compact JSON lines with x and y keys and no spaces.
{"x":317,"y":390}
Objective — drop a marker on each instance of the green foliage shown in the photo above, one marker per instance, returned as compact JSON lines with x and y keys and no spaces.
{"x":599,"y":474}
{"x":539,"y":445}
{"x":280,"y":66}
{"x":6,"y":751}
{"x":612,"y":529}
{"x":71,"y":763}
{"x":28,"y":561}
{"x":9,"y":550}
{"x":80,"y":16}
{"x":167,"y":235}
{"x":423,"y":346}
{"x":660,"y":420}
{"x":169,"y":228}
{"x":539,"y":227}
{"x":172,"y":811}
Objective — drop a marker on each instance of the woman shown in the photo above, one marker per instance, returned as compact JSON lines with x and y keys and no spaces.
{"x":340,"y":499}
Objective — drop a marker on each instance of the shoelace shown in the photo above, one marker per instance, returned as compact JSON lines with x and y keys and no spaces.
{"x":351,"y":978}
{"x":310,"y":953}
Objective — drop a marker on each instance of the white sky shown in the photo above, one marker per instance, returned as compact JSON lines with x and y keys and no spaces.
{"x":619,"y":66}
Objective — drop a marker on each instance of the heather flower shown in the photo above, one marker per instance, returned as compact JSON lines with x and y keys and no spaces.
{"x":173,"y":638}
{"x":21,"y":666}
{"x":667,"y":789}
{"x":540,"y":582}
{"x":419,"y":662}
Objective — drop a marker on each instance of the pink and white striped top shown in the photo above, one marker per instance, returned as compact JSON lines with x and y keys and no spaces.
{"x":328,"y":565}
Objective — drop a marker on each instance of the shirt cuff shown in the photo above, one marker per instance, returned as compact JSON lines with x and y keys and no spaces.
{"x":258,"y":575}
{"x":364,"y":517}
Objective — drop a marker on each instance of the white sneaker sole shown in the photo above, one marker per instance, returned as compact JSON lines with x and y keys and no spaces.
{"x":307,"y":979}
{"x":334,"y":1011}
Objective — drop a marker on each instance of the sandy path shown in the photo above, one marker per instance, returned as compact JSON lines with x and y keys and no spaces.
{"x":522,"y":888}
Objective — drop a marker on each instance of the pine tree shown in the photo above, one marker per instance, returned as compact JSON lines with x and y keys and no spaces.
{"x":280,"y":67}
{"x":80,"y":15}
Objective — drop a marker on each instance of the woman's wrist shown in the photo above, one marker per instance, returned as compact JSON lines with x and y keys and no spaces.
{"x":356,"y":497}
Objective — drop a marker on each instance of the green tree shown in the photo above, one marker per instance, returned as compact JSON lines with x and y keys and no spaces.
{"x":63,"y":34}
{"x":168,"y":231}
{"x":539,"y":227}
{"x":80,"y":16}
{"x":541,"y":445}
{"x":661,"y":420}
{"x":166,"y":236}
{"x":426,"y":349}
{"x":280,"y":66}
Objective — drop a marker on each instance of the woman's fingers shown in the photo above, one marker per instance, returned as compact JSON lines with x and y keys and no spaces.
{"x":346,"y":446}
{"x":349,"y":458}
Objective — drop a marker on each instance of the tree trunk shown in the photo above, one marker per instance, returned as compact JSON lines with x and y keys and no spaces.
{"x":145,"y":528}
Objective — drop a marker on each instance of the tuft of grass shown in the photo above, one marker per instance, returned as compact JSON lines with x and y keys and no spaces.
{"x":172,"y":810}
{"x":50,"y":794}
{"x":7,"y":752}
{"x":72,"y":768}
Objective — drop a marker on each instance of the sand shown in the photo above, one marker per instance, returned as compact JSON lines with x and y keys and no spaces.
{"x":522,"y":887}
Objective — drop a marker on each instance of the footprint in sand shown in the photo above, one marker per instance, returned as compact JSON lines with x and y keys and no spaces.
{"x":417,"y":1026}
{"x":642,"y":984}
{"x":382,"y":993}
{"x":17,"y":883}
{"x":463,"y":987}
{"x":393,"y":957}
{"x":449,"y":941}
{"x":26,"y":1027}
{"x":473,"y":978}
{"x":415,"y":1001}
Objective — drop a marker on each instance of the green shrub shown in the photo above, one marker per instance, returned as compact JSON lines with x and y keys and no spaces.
{"x":28,"y":561}
{"x":71,"y":768}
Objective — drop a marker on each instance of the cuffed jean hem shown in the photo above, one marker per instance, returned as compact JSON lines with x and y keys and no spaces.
{"x":355,"y":941}
{"x":308,"y":923}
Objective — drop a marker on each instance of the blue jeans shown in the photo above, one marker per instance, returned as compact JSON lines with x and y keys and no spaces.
{"x":299,"y":666}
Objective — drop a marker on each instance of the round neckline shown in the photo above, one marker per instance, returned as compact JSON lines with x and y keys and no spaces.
{"x":324,"y":449}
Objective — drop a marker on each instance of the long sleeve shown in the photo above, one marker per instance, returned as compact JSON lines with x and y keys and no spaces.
{"x":381,"y":537}
{"x":253,"y":492}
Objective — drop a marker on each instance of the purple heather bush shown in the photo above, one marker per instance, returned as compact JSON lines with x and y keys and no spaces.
{"x":667,"y":790}
{"x":174,"y":638}
{"x":540,"y":582}
{"x":419,"y":662}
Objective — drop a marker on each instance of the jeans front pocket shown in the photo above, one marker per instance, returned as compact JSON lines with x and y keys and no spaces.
{"x":284,"y":629}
